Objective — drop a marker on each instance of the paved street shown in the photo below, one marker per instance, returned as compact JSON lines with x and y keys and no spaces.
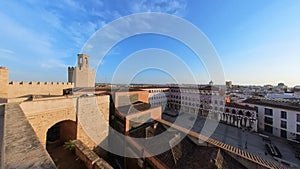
{"x":236,"y":137}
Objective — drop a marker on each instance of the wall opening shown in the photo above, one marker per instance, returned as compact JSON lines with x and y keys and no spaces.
{"x":59,"y":146}
{"x":62,"y":132}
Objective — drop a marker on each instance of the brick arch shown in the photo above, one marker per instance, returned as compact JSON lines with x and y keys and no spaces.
{"x":51,"y":123}
{"x":42,"y":121}
{"x":240,"y":112}
{"x":62,"y":131}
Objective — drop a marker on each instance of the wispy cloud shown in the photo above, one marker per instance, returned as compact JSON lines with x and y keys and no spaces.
{"x":53,"y":63}
{"x":49,"y":35}
{"x":6,"y":54}
{"x":175,"y":7}
{"x":73,"y":5}
{"x":7,"y":51}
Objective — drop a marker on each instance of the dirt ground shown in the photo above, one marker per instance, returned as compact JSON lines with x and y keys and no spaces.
{"x":64,"y":159}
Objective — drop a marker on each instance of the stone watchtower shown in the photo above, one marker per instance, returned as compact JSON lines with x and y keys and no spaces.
{"x":3,"y":83}
{"x":82,"y":75}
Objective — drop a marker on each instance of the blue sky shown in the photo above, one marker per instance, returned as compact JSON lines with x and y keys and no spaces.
{"x":258,"y":41}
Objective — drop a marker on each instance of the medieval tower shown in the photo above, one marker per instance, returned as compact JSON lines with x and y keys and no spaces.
{"x":82,"y":75}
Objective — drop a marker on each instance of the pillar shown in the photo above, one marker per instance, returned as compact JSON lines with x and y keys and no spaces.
{"x":236,"y":121}
{"x":3,"y":83}
{"x":247,"y":122}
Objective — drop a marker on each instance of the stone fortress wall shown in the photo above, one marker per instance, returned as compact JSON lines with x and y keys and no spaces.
{"x":14,"y":89}
{"x":27,"y":123}
{"x":19,"y":89}
{"x":79,"y":76}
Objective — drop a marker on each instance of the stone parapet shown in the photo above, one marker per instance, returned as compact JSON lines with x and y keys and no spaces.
{"x":19,"y":89}
{"x":90,"y":159}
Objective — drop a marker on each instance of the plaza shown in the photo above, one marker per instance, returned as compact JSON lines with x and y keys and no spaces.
{"x":251,"y":142}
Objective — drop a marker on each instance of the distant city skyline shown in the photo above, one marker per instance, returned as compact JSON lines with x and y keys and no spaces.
{"x":257,"y":41}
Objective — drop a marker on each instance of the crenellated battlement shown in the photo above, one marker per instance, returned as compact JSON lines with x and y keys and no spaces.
{"x":19,"y":89}
{"x":79,"y":76}
{"x":71,"y":68}
{"x":14,"y":83}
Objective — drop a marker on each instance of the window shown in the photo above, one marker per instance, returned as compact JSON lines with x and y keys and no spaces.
{"x":248,"y":114}
{"x":297,"y":137}
{"x":86,"y":61}
{"x":283,"y":133}
{"x":268,"y":120}
{"x":268,"y":129}
{"x":298,"y":117}
{"x":298,"y":128}
{"x":283,"y":124}
{"x":241,"y":112}
{"x":268,"y":112}
{"x":283,"y":114}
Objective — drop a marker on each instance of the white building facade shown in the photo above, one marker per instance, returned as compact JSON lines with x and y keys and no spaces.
{"x":240,"y":116}
{"x":207,"y":101}
{"x":279,"y":118}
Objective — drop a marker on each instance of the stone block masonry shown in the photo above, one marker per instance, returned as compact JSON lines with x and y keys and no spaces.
{"x":21,"y":147}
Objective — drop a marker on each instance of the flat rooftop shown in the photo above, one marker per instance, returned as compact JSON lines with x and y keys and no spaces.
{"x":293,"y":105}
{"x":135,"y":108}
{"x":239,"y":106}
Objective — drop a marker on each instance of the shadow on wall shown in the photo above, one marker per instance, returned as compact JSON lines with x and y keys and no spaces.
{"x":1,"y":133}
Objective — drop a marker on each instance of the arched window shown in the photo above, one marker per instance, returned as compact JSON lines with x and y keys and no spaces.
{"x":241,"y":112}
{"x":86,"y":61}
